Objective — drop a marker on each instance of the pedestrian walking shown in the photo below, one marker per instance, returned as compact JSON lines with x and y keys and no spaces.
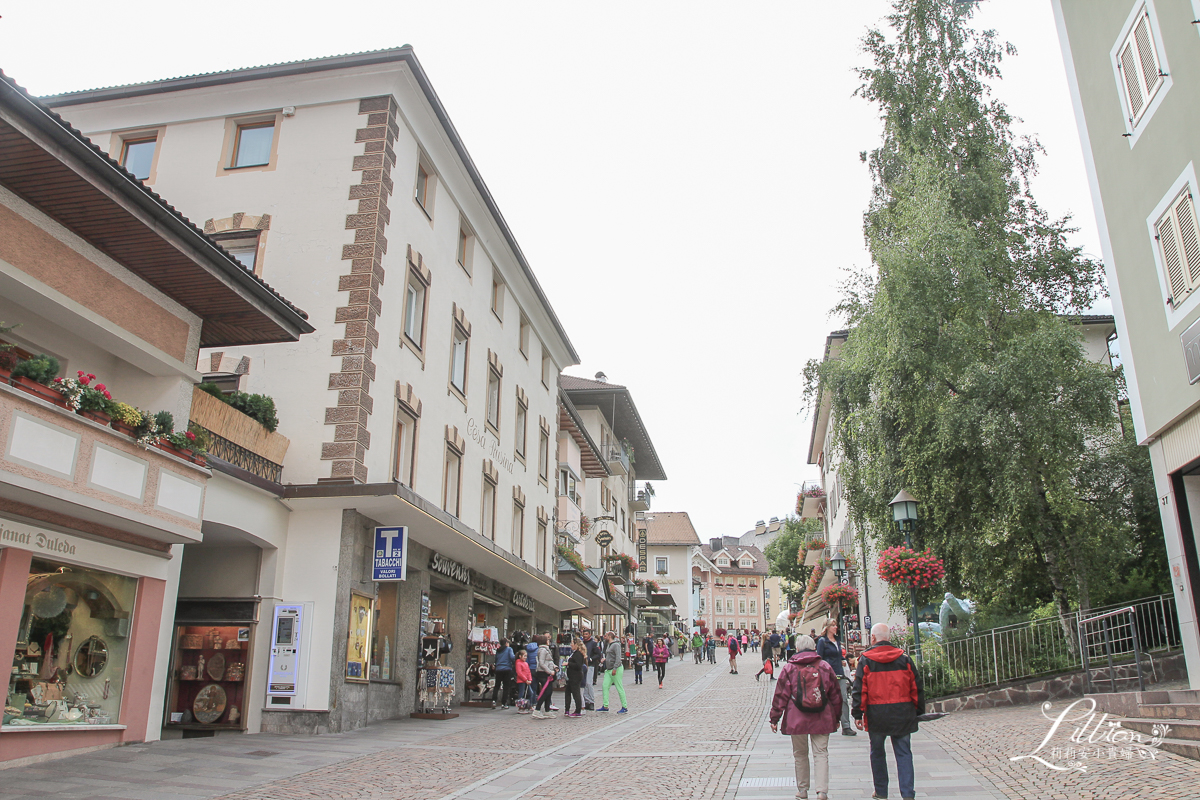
{"x":712,"y":649}
{"x":614,"y":671}
{"x":885,"y":686}
{"x":661,"y":656}
{"x":524,"y":687}
{"x":639,"y":661}
{"x":505,"y":675}
{"x":734,"y":649}
{"x":595,"y":656}
{"x":697,"y":647}
{"x":830,"y":649}
{"x":576,"y":674}
{"x":546,"y":671}
{"x":808,"y":703}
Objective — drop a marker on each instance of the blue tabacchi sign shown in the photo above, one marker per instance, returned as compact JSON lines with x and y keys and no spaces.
{"x":391,"y":554}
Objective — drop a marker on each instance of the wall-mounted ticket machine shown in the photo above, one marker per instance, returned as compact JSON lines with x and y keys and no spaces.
{"x":290,"y":647}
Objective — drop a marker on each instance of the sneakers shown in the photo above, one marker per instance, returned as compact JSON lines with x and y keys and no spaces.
{"x":554,"y":708}
{"x":576,"y":715}
{"x":590,"y":707}
{"x":538,"y":715}
{"x":623,"y":711}
{"x":602,"y":708}
{"x":660,"y":684}
{"x":849,"y":732}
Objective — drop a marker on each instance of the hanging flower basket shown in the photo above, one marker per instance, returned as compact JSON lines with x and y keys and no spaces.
{"x":626,"y":560}
{"x":903,"y":566}
{"x":816,"y":544}
{"x":837,"y":593}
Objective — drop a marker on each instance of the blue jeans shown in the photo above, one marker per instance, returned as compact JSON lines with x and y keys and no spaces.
{"x":902,"y":749}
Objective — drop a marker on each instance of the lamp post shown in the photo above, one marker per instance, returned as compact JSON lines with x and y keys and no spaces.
{"x":904,"y":513}
{"x":630,"y":588}
{"x":838,"y":565}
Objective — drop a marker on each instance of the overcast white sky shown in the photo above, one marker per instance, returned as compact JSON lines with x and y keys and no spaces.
{"x":683,"y":177}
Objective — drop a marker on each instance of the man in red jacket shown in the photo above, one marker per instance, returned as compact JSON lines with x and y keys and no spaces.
{"x":887,"y":698}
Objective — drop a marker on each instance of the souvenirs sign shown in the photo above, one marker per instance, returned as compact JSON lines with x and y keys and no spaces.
{"x":451,"y":569}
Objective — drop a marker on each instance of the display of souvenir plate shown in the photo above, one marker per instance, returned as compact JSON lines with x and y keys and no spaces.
{"x":236,"y":671}
{"x":191,"y":641}
{"x":49,"y":602}
{"x":216,"y":667}
{"x":210,"y":704}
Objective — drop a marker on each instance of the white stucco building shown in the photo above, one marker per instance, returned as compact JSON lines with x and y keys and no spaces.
{"x":427,"y":396}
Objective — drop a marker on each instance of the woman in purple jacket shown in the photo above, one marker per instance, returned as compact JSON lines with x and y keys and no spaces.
{"x":805,"y":726}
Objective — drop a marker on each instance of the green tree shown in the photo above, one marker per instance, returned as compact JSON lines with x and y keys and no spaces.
{"x":785,"y":557}
{"x":964,"y":379}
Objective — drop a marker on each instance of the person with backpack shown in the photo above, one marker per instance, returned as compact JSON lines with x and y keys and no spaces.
{"x":734,"y":649}
{"x":505,"y":663}
{"x":808,"y":703}
{"x":887,"y":699}
{"x":830,"y":649}
{"x":697,"y":647}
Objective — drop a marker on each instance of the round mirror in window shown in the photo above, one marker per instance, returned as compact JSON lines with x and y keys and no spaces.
{"x":91,"y":657}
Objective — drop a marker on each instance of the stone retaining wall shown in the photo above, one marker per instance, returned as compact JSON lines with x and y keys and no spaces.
{"x":1168,"y":668}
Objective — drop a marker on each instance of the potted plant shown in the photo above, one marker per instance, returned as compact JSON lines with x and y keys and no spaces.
{"x":34,"y":376}
{"x":8,"y":358}
{"x":125,"y":419}
{"x":903,"y":566}
{"x":837,"y":593}
{"x":147,"y":431}
{"x":88,"y":399}
{"x":187,"y":444}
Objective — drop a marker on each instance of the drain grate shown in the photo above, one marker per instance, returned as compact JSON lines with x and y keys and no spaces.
{"x":766,"y":783}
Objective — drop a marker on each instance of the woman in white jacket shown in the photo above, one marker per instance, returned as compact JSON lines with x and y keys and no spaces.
{"x":546,"y":670}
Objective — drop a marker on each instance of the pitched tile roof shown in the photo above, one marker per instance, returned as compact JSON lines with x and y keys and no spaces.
{"x":670,"y":528}
{"x":732,"y":546}
{"x":574,"y":382}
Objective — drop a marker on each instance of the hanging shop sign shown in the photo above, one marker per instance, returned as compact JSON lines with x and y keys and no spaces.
{"x":522,"y":600}
{"x":450,"y":568}
{"x":604,"y":538}
{"x":642,"y":559}
{"x":391,"y":554}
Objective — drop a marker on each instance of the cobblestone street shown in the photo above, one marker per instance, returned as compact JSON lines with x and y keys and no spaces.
{"x":703,"y":736}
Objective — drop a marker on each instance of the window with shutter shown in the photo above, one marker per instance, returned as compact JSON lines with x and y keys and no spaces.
{"x":1179,"y":243}
{"x":1138,"y":65}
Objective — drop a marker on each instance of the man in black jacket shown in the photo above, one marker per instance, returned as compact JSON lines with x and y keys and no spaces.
{"x":887,"y":698}
{"x":595,"y":654}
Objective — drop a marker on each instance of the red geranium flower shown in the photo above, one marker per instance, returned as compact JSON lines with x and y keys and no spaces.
{"x":191,"y":436}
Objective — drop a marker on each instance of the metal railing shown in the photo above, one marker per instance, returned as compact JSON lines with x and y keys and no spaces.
{"x":1108,"y":635}
{"x":950,"y":664}
{"x":615,"y":453}
{"x":239,"y":456}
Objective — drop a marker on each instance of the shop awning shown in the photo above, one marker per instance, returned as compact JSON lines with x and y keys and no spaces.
{"x":587,"y":585}
{"x":395,"y":504}
{"x":662,"y":600}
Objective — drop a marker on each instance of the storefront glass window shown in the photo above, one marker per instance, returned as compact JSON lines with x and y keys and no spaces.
{"x":72,"y":647}
{"x":383,"y":633}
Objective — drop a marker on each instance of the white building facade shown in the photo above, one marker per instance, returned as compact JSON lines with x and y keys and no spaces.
{"x":427,"y":397}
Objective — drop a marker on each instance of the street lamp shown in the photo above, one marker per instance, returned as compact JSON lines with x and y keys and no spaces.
{"x":904,"y":513}
{"x":838,"y":565}
{"x":630,"y":588}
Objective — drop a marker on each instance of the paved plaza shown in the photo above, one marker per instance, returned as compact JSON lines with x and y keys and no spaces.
{"x":703,"y":736}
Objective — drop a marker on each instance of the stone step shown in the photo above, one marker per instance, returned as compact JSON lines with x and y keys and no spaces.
{"x":1170,"y":710}
{"x":1182,"y":747}
{"x":1179,"y":729}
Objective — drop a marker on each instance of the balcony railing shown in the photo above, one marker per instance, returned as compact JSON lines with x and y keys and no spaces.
{"x":614,"y":454}
{"x":239,"y":456}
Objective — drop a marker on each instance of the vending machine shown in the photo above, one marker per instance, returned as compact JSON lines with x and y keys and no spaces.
{"x":287,"y":675}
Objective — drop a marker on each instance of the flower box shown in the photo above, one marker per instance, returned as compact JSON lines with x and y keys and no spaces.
{"x":121,"y":427}
{"x":96,"y":416}
{"x":41,"y":391}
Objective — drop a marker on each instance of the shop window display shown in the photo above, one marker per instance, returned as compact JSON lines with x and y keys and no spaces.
{"x":72,"y":646}
{"x":383,"y":644}
{"x":209,"y":672}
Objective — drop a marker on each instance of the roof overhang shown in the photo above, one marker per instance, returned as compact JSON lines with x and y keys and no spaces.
{"x":590,"y":458}
{"x":816,"y":442}
{"x":617,"y":406}
{"x":59,"y":171}
{"x":394,"y":503}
